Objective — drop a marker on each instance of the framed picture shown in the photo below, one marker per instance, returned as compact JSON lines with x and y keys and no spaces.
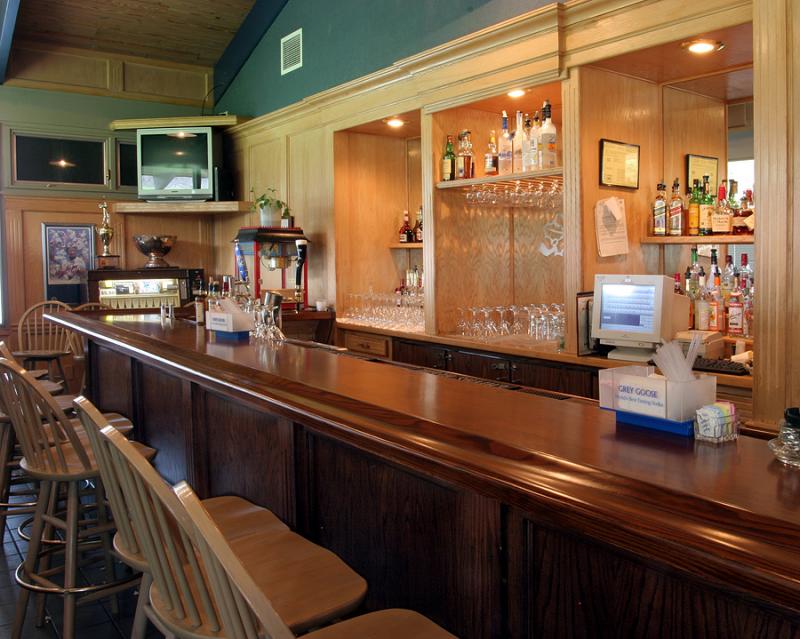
{"x":68,"y":254}
{"x":619,"y":164}
{"x":699,"y":165}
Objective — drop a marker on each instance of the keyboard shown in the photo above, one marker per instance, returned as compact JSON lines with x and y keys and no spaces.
{"x":720,"y":366}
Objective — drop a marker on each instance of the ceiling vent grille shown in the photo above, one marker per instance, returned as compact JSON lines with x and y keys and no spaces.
{"x":292,"y":51}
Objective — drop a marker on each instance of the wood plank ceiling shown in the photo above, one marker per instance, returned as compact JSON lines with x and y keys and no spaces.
{"x":186,"y":31}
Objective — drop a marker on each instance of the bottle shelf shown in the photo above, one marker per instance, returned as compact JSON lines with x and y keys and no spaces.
{"x":546,"y":176}
{"x":406,"y":245}
{"x":699,"y":239}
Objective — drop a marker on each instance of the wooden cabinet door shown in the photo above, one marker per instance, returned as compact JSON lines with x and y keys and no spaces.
{"x":421,"y":354}
{"x":575,"y":380}
{"x":481,"y":365}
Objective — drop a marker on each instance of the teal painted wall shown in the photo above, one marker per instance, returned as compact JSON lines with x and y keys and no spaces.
{"x":77,"y":111}
{"x":347,"y":39}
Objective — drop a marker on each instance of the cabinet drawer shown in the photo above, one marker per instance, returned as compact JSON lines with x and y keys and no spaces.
{"x":368,"y":344}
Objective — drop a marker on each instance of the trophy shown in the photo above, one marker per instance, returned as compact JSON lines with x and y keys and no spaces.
{"x":106,"y":260}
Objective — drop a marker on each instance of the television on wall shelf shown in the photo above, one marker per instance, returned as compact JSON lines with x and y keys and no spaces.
{"x":177,"y":163}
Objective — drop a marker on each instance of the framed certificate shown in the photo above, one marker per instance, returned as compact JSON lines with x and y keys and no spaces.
{"x":619,"y":164}
{"x":699,"y":165}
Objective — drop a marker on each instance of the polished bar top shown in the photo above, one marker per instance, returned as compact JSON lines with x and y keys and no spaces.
{"x":735,"y":500}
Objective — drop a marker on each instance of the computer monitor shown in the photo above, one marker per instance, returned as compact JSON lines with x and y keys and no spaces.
{"x":635,"y":313}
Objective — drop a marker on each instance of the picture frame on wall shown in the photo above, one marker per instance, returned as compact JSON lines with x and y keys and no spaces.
{"x":699,"y":165}
{"x":619,"y":164}
{"x":68,"y":253}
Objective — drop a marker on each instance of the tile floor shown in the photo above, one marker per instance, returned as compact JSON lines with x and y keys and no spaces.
{"x":93,"y":621}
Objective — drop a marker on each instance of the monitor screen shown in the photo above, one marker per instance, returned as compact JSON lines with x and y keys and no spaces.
{"x":629,"y":308}
{"x":175,"y":161}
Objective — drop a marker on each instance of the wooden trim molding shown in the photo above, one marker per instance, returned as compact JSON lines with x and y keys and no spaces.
{"x":775,"y":32}
{"x":41,"y":66}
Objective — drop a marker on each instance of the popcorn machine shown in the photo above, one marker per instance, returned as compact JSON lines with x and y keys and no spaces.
{"x":277,"y":250}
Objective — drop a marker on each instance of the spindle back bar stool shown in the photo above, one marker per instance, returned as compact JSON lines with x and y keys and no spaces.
{"x":56,"y":455}
{"x":310,"y":585}
{"x":40,"y":340}
{"x":245,"y":610}
{"x":235,"y":516}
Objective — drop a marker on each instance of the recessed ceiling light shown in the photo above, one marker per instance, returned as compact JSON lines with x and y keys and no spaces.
{"x":516,"y":93}
{"x":62,"y":163}
{"x":182,"y":135}
{"x":702,"y":46}
{"x":395,"y":123}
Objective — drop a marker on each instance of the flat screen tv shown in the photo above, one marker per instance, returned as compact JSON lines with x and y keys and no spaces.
{"x":176,"y":163}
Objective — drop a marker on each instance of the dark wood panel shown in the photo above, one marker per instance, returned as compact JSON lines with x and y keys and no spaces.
{"x":165,"y":423}
{"x":420,"y":354}
{"x":249,"y":453}
{"x":561,"y":585}
{"x":111,"y":382}
{"x":481,"y":365}
{"x":562,"y":378}
{"x":419,"y":543}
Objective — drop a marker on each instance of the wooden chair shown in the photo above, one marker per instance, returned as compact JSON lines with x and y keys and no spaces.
{"x":40,"y":340}
{"x":245,"y":610}
{"x":309,"y":585}
{"x":56,"y":454}
{"x":234,"y":515}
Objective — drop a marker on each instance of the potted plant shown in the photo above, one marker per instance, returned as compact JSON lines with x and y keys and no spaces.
{"x":272,"y":211}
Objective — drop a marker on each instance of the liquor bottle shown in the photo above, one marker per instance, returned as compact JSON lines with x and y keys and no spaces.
{"x":736,"y":310}
{"x":715,"y":270}
{"x":517,"y":143}
{"x":695,"y":271}
{"x":748,"y":300}
{"x":505,"y":163}
{"x":465,"y":167}
{"x":418,"y":226}
{"x":694,"y":209}
{"x":528,"y":146}
{"x":729,"y":275}
{"x":490,"y":159}
{"x":691,"y":295}
{"x":549,"y":139}
{"x":722,"y":219}
{"x":744,"y":220}
{"x":449,"y":161}
{"x":706,"y":208}
{"x":676,"y":222}
{"x":716,"y":308}
{"x":660,"y":211}
{"x":677,"y":287}
{"x":745,"y":274}
{"x":536,"y":142}
{"x":405,"y":230}
{"x":701,"y":306}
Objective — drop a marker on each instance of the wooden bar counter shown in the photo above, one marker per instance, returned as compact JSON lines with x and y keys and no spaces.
{"x":498,"y":513}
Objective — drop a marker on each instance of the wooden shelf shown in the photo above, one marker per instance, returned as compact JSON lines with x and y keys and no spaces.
{"x":408,"y":246}
{"x":547,"y":176}
{"x":699,"y":239}
{"x":195,"y":120}
{"x":182,"y":208}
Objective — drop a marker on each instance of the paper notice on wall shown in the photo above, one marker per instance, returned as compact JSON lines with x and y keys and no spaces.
{"x":611,"y":227}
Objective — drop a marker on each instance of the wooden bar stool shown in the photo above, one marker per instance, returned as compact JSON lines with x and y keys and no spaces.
{"x":10,"y":454}
{"x":309,"y":585}
{"x":57,"y":455}
{"x":235,"y":516}
{"x":40,"y":340}
{"x":245,"y":610}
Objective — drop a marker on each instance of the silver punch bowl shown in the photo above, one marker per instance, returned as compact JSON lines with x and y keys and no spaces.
{"x":155,"y":247}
